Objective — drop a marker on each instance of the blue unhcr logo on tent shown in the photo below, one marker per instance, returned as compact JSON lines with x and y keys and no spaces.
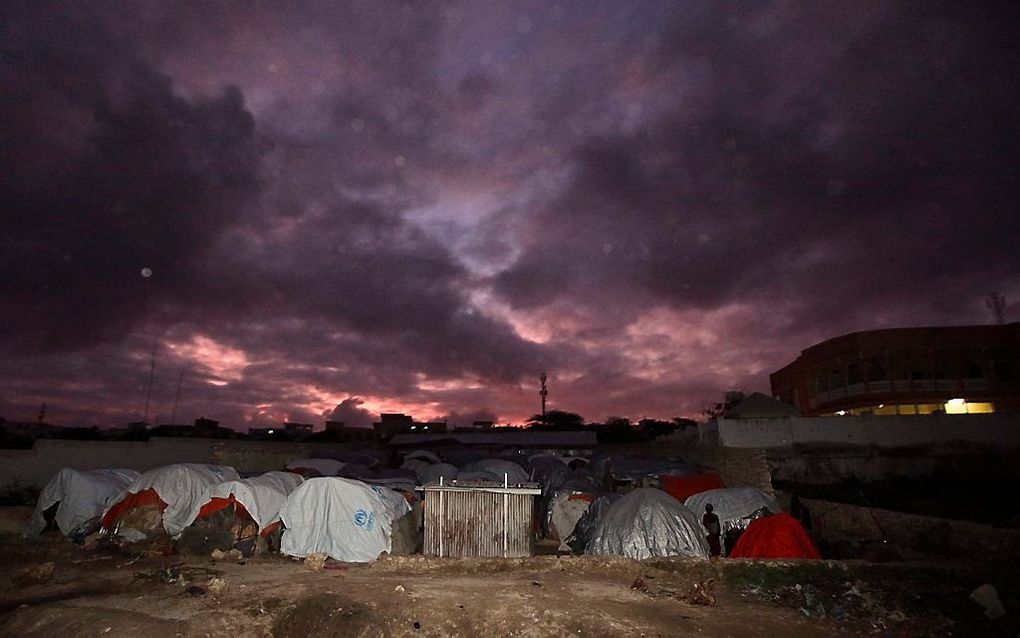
{"x":364,"y":519}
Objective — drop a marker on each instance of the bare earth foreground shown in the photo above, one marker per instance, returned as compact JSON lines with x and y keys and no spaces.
{"x":56,"y":588}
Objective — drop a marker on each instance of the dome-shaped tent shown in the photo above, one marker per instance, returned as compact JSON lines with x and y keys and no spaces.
{"x":645,"y":523}
{"x":172,"y":490}
{"x":342,"y":518}
{"x":777,"y":536}
{"x":79,"y":496}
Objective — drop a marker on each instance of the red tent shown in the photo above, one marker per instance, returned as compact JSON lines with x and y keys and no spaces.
{"x":778,"y":536}
{"x":680,"y":487}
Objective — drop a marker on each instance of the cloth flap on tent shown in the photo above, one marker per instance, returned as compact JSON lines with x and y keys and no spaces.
{"x":342,"y":518}
{"x":682,"y":487}
{"x":79,"y":495}
{"x":260,"y":495}
{"x":778,"y":536}
{"x":648,"y":522}
{"x":180,"y":486}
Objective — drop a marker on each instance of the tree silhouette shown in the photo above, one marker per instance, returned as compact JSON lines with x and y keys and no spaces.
{"x":556,"y":421}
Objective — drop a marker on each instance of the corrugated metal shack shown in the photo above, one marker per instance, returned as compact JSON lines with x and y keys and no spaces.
{"x":479,"y":519}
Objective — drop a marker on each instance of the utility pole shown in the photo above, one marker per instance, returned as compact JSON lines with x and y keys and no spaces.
{"x":543,"y":392}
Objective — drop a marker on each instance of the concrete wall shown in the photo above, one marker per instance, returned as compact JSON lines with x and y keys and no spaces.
{"x":997,"y":430}
{"x":48,"y":456}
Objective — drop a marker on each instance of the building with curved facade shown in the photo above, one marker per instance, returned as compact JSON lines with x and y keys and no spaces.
{"x":953,"y":369}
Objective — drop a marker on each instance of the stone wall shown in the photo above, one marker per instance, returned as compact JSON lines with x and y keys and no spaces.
{"x":836,"y":523}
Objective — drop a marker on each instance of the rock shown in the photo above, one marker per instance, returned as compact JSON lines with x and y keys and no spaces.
{"x":195,"y":591}
{"x":988,"y":597}
{"x":315,"y":562}
{"x":35,"y":574}
{"x":216,"y":585}
{"x":399,"y":588}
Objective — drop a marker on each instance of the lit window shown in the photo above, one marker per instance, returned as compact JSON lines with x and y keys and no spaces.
{"x":956,"y":406}
{"x":980,"y":408}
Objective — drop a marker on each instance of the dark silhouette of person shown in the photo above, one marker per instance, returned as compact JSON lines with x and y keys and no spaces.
{"x":711,"y":523}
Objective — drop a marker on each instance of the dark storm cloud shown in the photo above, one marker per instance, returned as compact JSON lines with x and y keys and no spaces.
{"x":874,"y":160}
{"x":106,"y":171}
{"x":426,"y":205}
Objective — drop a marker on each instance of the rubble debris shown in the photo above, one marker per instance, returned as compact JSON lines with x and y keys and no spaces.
{"x":639,"y":583}
{"x":988,"y":598}
{"x":701,"y":593}
{"x":233,"y":554}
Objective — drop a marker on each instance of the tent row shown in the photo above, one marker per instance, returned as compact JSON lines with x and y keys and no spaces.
{"x":204,"y":507}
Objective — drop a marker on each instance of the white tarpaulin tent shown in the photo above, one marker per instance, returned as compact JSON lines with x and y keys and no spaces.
{"x":645,"y":523}
{"x":261,"y":496}
{"x":433,"y":472}
{"x":342,"y":518}
{"x":80,"y":495}
{"x":496,"y":470}
{"x":731,"y":504}
{"x":180,"y":486}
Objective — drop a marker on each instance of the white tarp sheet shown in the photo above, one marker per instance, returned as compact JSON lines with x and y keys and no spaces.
{"x":81,"y":494}
{"x":730,"y":504}
{"x":180,"y":486}
{"x":261,"y":495}
{"x":645,"y":523}
{"x":342,"y":518}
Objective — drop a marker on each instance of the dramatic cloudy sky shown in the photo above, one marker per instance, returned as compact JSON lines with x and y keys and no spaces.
{"x":327,"y":208}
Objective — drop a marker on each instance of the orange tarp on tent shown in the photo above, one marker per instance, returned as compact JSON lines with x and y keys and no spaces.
{"x":144,"y":498}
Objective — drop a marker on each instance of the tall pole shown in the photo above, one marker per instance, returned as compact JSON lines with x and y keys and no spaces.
{"x":148,"y":390}
{"x":543,"y":392}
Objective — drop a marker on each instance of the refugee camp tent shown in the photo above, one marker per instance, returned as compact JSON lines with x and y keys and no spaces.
{"x":736,"y":507}
{"x":316,"y":467}
{"x":585,"y":528}
{"x":260,"y":497}
{"x":648,"y":522}
{"x":777,"y":536}
{"x":433,"y":472}
{"x":423,"y":456}
{"x":683,"y":487}
{"x":171,"y":489}
{"x":80,"y":496}
{"x":343,"y":518}
{"x":495,"y":470}
{"x":565,"y":497}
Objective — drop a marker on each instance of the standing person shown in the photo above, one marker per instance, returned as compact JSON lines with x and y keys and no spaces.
{"x":711,"y":523}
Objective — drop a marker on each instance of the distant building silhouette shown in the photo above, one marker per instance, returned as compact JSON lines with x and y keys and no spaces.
{"x":396,"y":423}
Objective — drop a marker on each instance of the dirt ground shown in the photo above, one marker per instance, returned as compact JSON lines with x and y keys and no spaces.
{"x":56,"y":588}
